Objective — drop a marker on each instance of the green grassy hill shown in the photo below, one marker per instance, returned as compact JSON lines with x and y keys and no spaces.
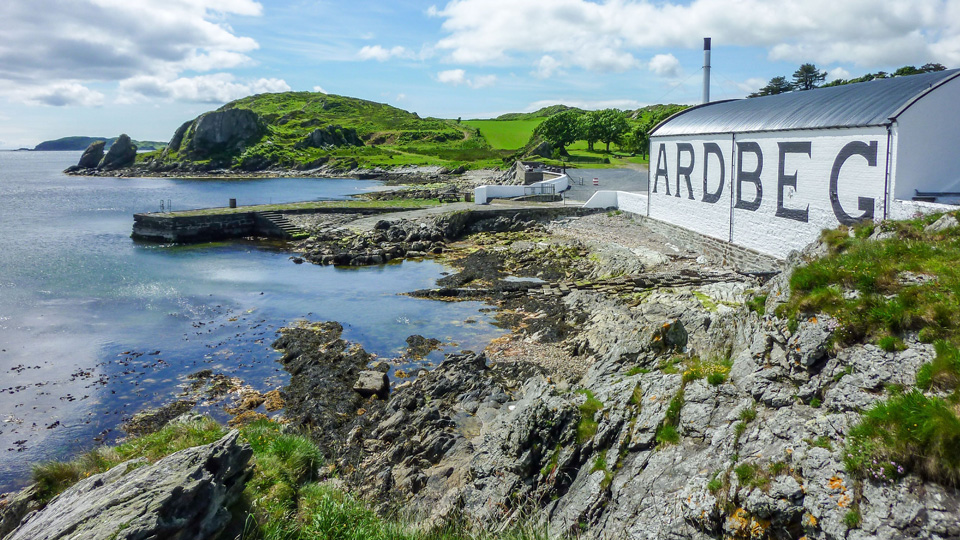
{"x":390,"y":136}
{"x":506,"y":134}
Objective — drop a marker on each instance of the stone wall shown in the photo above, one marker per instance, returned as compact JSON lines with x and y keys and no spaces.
{"x":190,"y":229}
{"x":715,"y":251}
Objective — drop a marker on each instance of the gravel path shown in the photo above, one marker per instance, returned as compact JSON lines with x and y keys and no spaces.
{"x":602,"y":229}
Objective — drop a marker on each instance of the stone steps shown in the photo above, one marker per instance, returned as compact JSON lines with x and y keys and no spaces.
{"x":288,"y":229}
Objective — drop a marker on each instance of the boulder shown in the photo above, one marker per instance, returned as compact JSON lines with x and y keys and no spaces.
{"x":372,"y":383}
{"x":92,"y":155}
{"x":222,"y":131}
{"x":942,"y":224}
{"x":183,"y":496}
{"x":330,"y":136}
{"x":122,"y":154}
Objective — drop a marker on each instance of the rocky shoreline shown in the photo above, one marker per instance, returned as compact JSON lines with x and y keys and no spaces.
{"x":638,"y":394}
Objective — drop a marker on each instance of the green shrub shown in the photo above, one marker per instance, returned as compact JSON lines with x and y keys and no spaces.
{"x":758,"y":304}
{"x":746,"y":473}
{"x":667,"y":434}
{"x":852,"y":519}
{"x":943,"y":373}
{"x":715,"y":371}
{"x":715,"y":484}
{"x":748,"y":415}
{"x":816,"y":403}
{"x":891,"y":344}
{"x":908,"y":432}
{"x":587,"y":427}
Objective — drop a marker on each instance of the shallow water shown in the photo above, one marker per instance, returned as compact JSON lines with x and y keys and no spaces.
{"x":95,"y":326}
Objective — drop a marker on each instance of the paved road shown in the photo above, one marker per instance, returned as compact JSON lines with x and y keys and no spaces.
{"x":610,"y":179}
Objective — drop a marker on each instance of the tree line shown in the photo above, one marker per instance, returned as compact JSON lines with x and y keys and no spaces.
{"x":609,"y":126}
{"x":808,"y":76}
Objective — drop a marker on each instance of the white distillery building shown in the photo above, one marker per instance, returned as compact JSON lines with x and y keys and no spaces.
{"x":771,"y":173}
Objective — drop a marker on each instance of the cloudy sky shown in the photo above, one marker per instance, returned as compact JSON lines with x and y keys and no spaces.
{"x":101,"y":67}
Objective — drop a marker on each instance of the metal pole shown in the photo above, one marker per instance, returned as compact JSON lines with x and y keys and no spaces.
{"x":706,"y":70}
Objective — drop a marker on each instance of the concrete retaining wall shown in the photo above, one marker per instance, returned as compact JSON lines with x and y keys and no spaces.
{"x":483,"y":194}
{"x":187,"y":229}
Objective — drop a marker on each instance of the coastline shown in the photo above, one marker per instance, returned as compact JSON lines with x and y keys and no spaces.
{"x":633,"y":369}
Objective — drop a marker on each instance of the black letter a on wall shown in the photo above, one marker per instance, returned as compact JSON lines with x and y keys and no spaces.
{"x":661,"y":169}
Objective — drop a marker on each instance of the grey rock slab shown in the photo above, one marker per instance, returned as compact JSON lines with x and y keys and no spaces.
{"x":183,"y":496}
{"x":947,"y":221}
{"x":371,"y":383}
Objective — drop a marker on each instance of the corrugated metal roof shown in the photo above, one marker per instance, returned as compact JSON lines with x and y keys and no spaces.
{"x":870,"y":103}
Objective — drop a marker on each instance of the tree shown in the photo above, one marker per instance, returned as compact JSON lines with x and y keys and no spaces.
{"x":808,"y":77}
{"x":930,"y":67}
{"x":638,"y":139}
{"x":590,"y":128}
{"x":612,"y":125}
{"x":777,"y":85}
{"x":560,"y":129}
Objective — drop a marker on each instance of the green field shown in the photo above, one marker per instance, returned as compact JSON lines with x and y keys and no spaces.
{"x":505,"y":134}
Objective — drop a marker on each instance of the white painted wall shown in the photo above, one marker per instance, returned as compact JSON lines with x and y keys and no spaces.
{"x":635,"y":203}
{"x":912,"y":209}
{"x":673,"y":202}
{"x":755,"y":218}
{"x":603,"y":199}
{"x":483,"y":194}
{"x":765,"y":231}
{"x":928,"y":144}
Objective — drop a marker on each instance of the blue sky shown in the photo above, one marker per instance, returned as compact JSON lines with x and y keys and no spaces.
{"x":102,"y":67}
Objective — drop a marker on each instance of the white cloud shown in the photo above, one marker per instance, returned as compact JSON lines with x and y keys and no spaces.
{"x":452,"y":76}
{"x":401,"y":97}
{"x":213,"y":88}
{"x":456,"y":77}
{"x":320,"y":89}
{"x":837,"y":73}
{"x":63,"y":94}
{"x":547,"y":67}
{"x":665,"y":65}
{"x":604,"y":35}
{"x":751,"y":85}
{"x":381,"y":54}
{"x":51,"y":50}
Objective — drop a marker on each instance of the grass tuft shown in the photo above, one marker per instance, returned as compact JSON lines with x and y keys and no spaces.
{"x":54,"y":477}
{"x":909,"y":432}
{"x":587,"y":427}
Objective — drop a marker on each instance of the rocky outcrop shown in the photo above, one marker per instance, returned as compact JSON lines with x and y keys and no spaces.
{"x":183,"y":496}
{"x":122,"y":154}
{"x":324,"y":370}
{"x":331,"y":136}
{"x":92,"y":155}
{"x":646,"y":444}
{"x":177,"y":139}
{"x":221,"y":132}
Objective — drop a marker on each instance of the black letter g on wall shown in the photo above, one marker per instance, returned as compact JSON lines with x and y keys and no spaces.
{"x":865,"y":204}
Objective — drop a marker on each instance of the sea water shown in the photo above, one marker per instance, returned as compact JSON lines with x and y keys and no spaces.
{"x":95,"y":326}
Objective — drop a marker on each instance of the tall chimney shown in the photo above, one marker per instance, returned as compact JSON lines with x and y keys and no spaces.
{"x":706,"y":70}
